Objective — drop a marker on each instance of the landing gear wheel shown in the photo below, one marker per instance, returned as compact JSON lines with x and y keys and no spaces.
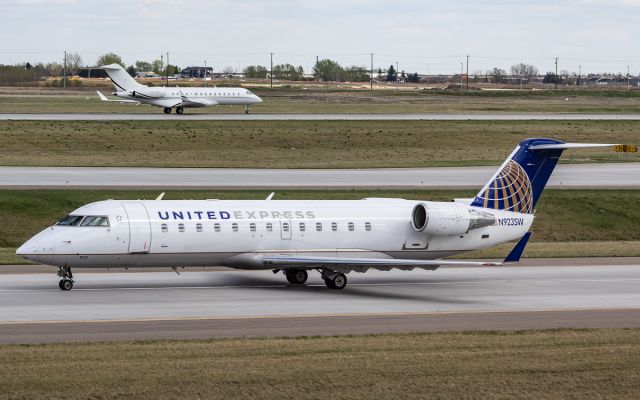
{"x":167,"y":110}
{"x":337,"y":281}
{"x":247,"y":111}
{"x":179,"y":110}
{"x":65,"y":284}
{"x":296,"y":276}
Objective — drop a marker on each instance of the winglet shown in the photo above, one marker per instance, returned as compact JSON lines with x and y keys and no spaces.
{"x":271,"y":196}
{"x":516,"y":252}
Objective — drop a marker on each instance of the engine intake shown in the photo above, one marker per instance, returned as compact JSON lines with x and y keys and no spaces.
{"x":448,"y":219}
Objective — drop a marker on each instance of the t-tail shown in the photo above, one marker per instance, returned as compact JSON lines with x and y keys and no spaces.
{"x":121,"y":78}
{"x":521,"y":179}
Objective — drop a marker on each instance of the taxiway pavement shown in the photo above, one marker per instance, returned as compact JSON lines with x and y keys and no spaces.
{"x":614,"y":175}
{"x":159,"y":116}
{"x":242,"y":303}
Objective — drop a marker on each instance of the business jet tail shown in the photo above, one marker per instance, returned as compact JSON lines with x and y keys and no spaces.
{"x":121,"y":78}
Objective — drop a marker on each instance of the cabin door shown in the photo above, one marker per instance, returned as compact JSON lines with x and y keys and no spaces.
{"x":285,"y":229}
{"x":139,"y":227}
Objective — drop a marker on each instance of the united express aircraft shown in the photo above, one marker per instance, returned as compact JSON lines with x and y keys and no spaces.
{"x":130,"y":91}
{"x":332,"y":237}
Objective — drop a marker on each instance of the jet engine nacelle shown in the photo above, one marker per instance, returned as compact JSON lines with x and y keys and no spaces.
{"x":448,"y":219}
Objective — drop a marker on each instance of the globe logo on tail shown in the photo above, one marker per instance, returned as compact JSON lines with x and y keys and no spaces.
{"x":510,"y":190}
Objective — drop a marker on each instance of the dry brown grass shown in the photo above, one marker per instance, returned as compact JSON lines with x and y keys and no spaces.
{"x":560,"y":364}
{"x":294,"y":144}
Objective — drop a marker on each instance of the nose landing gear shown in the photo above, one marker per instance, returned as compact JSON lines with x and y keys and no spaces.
{"x":247,"y":110}
{"x":66,"y":283}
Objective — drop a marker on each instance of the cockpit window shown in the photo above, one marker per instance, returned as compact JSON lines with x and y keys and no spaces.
{"x":95,"y":221}
{"x":70,"y":220}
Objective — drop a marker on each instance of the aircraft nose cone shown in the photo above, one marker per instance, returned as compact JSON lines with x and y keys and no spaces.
{"x":23,"y":250}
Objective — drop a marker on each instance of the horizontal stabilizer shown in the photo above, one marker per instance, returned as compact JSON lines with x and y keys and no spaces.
{"x":516,"y":252}
{"x":565,"y":146}
{"x":104,"y":98}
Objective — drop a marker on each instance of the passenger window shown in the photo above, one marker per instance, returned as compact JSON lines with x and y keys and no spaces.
{"x":234,"y":227}
{"x":252,"y":227}
{"x":95,"y":221}
{"x":334,"y":226}
{"x":318,"y":226}
{"x":165,"y":228}
{"x":269,"y":227}
{"x":367,"y":226}
{"x":302,"y":227}
{"x":180,"y":227}
{"x":216,"y":227}
{"x":198,"y":227}
{"x":351,"y":226}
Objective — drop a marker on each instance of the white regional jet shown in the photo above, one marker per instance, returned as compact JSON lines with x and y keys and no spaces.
{"x":333,"y":237}
{"x":131,"y":91}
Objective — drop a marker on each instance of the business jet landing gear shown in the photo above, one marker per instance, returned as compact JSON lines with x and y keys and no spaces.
{"x":333,"y":279}
{"x":296,"y":276}
{"x":66,"y":283}
{"x":179,"y":110}
{"x":247,"y":110}
{"x":167,"y":110}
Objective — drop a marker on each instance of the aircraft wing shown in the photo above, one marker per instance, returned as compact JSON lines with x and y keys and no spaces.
{"x":344,"y":264}
{"x":189,"y":102}
{"x":104,"y":98}
{"x":306,"y":261}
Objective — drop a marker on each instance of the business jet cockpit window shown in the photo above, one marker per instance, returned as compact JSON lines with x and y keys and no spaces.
{"x":81,"y":220}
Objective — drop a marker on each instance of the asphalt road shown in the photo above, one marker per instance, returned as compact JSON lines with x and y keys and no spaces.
{"x":133,"y":305}
{"x":323,"y":117}
{"x":565,"y":176}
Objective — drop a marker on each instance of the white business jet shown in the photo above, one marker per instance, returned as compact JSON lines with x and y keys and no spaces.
{"x":296,"y":236}
{"x":130,"y":91}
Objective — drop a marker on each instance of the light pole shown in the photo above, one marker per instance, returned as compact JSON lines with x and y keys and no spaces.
{"x":628,"y":79}
{"x":461,"y":74}
{"x":205,"y":73}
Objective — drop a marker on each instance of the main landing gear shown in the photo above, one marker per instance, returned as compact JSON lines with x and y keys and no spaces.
{"x":179,"y":110}
{"x":333,"y":279}
{"x":167,"y":110}
{"x":66,"y":283}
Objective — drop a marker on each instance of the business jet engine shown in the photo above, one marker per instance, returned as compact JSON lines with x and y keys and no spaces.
{"x":448,"y":219}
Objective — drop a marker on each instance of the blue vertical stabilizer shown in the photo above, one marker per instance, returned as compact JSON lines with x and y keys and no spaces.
{"x":521,"y":179}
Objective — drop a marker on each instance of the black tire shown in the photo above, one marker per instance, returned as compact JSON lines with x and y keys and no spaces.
{"x":167,"y":110}
{"x":339,"y":281}
{"x":60,"y":284}
{"x":247,"y":111}
{"x":179,"y":110}
{"x":297,"y":276}
{"x":67,"y":284}
{"x":329,"y":283}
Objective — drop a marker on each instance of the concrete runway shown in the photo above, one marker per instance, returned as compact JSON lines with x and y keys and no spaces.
{"x":565,"y":176}
{"x":159,"y":116}
{"x":130,"y":305}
